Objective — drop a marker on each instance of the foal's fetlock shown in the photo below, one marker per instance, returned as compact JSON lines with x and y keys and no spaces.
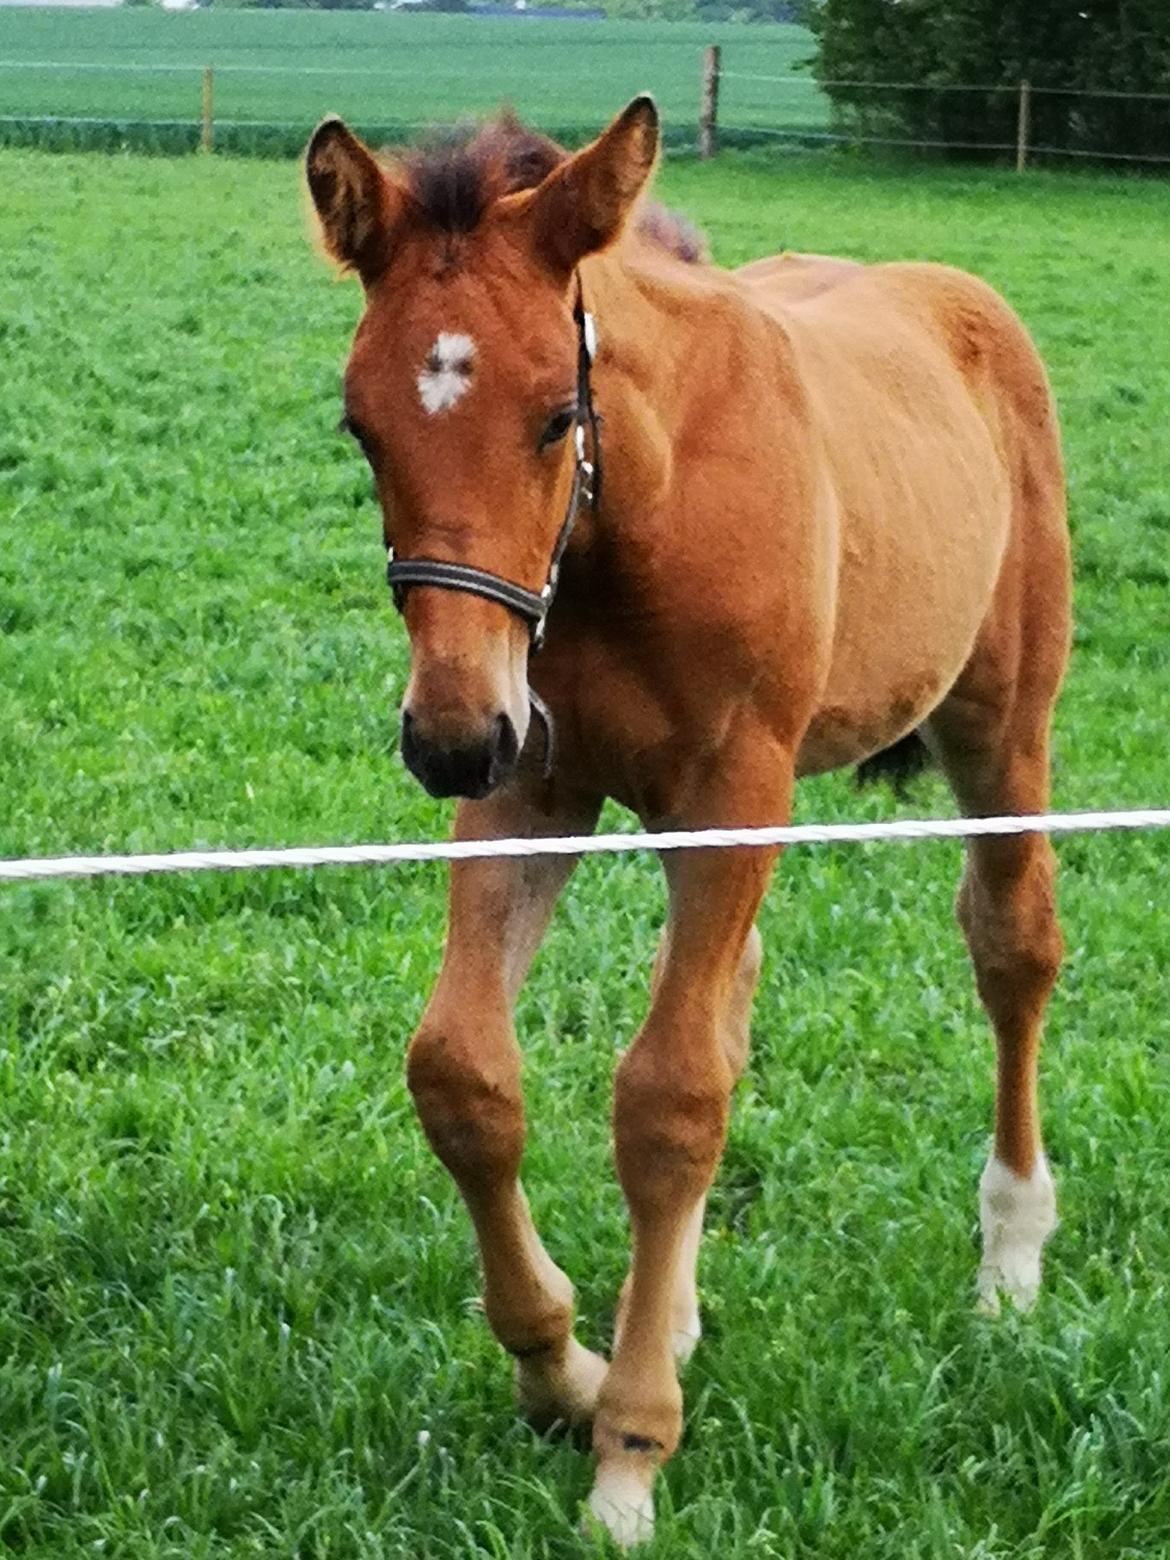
{"x":557,"y":1380}
{"x":559,"y":1384}
{"x":639,"y":1423}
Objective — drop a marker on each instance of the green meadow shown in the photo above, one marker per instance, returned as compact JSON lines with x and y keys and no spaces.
{"x":135,"y":76}
{"x":238,"y":1306}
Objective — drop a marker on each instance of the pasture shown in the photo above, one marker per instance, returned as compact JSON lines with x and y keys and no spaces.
{"x":136,"y":72}
{"x":237,"y":1293}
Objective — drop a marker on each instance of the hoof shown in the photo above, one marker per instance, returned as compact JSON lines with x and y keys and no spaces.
{"x":1018,"y":1281}
{"x":622,"y":1503}
{"x":560,"y":1390}
{"x":1017,"y":1214}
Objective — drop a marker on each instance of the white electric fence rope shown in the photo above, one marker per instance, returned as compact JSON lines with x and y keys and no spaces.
{"x":579,"y":845}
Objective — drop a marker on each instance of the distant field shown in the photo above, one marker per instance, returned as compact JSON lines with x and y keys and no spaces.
{"x":388,"y":73}
{"x":237,"y":1312}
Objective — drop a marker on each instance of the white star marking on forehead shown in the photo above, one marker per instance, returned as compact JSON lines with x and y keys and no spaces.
{"x":446,"y":376}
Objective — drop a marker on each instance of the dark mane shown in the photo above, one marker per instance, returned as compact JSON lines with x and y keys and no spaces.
{"x":459,"y":171}
{"x":456,"y":174}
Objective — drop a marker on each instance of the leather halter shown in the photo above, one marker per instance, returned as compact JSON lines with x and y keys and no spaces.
{"x":533,"y":606}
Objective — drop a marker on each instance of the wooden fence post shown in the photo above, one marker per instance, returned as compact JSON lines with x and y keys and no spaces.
{"x":207,"y":135}
{"x":1023,"y":126}
{"x":709,"y":102}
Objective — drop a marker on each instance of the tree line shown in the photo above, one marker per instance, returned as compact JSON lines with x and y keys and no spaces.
{"x":1086,"y":61}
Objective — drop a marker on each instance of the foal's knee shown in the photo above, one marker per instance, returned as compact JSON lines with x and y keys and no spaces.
{"x":467,"y":1094}
{"x":670,"y":1122}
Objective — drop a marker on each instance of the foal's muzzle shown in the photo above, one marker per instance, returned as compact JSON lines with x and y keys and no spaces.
{"x":471,"y":768}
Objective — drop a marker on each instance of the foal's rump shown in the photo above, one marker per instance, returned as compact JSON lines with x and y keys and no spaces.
{"x":930,"y":418}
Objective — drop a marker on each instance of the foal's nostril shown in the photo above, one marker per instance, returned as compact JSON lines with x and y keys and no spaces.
{"x":467,"y":768}
{"x":505,"y":744}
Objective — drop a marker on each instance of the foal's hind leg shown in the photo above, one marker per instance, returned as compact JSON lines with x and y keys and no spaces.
{"x":686,"y":1324}
{"x":1007,"y":910}
{"x":464,"y":1072}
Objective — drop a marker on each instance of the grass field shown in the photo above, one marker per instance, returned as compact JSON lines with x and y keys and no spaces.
{"x":391,"y":74}
{"x":237,"y":1310}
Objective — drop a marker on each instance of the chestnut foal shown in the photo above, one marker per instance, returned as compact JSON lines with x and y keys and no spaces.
{"x":832,"y":516}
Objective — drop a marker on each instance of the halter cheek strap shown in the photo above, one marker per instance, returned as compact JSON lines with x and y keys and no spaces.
{"x":531,"y":605}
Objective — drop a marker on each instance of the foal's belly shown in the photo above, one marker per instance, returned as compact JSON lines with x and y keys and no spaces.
{"x":906,"y":628}
{"x":842,"y":735}
{"x":906,"y":622}
{"x":915,"y":586}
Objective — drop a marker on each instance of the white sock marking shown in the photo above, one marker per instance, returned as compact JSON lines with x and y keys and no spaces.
{"x":446,"y":376}
{"x":1018,"y":1214}
{"x":621,"y":1501}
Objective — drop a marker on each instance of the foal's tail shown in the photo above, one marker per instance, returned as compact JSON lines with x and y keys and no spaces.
{"x":899,"y":765}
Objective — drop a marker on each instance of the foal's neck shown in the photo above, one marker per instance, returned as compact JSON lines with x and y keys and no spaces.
{"x":672,"y":338}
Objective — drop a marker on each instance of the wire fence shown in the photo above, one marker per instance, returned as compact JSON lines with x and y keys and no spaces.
{"x":988,"y":119}
{"x":725,"y":96}
{"x":397,"y":83}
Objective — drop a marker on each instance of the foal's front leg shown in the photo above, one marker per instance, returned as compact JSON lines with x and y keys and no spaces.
{"x":463,"y":1068}
{"x":686,"y":1324}
{"x":671,"y":1101}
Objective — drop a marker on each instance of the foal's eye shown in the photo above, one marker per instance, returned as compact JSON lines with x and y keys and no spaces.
{"x":558,"y":426}
{"x":347,"y":425}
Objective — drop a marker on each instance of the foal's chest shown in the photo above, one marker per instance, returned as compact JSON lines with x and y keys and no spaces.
{"x":633,"y":729}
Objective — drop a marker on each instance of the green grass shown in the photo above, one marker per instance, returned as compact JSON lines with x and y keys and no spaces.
{"x":390,"y":74}
{"x":236,"y":1288}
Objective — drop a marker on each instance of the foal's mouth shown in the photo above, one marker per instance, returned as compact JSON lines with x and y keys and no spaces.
{"x":471,"y":769}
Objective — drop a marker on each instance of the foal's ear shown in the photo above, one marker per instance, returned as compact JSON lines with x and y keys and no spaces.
{"x":583,"y":204}
{"x":357,"y":202}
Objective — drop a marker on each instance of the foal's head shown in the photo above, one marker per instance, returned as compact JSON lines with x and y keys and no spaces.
{"x":461,"y":388}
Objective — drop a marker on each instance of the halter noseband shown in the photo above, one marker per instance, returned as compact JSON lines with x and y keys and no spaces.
{"x":533,"y":606}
